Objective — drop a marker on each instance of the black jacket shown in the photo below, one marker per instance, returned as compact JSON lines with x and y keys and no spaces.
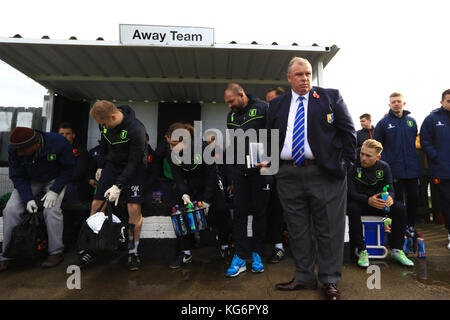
{"x":94,"y":162}
{"x":253,"y":116}
{"x":124,"y":146}
{"x":365,"y":182}
{"x":81,"y":155}
{"x":195,"y":179}
{"x":363,"y":135}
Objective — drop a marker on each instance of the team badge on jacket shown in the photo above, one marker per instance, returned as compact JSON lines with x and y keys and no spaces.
{"x":330,"y":117}
{"x":379,"y":174}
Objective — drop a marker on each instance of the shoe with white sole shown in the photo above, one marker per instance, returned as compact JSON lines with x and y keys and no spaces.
{"x":237,"y":266}
{"x":401,"y":257}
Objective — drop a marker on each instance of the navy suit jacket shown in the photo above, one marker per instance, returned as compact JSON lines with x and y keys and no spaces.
{"x":330,"y":130}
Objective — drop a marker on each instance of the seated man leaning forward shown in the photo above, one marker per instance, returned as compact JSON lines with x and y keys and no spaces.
{"x":39,"y":162}
{"x":365,"y":184}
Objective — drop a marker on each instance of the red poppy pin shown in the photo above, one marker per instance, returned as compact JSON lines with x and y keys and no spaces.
{"x":315,"y":95}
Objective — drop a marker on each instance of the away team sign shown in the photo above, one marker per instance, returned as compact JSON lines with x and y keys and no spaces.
{"x":165,"y":35}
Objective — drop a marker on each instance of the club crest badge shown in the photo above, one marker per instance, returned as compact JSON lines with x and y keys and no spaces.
{"x":379,"y":174}
{"x":330,"y":118}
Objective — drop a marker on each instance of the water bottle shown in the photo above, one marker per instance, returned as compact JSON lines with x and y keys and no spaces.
{"x":198,"y":217}
{"x":190,"y":216}
{"x":175,"y":222}
{"x":412,"y":239}
{"x":411,"y":245}
{"x":384,"y":196}
{"x":405,"y":245}
{"x":421,"y":247}
{"x":184,"y":230}
{"x":203,"y":214}
{"x":387,"y":224}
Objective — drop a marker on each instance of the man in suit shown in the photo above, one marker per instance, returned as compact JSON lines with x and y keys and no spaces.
{"x":317,"y":144}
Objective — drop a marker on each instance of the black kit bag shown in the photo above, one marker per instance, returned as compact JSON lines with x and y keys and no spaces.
{"x":111,"y":236}
{"x":29,"y":238}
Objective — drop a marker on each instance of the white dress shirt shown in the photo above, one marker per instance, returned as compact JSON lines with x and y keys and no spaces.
{"x":286,"y":152}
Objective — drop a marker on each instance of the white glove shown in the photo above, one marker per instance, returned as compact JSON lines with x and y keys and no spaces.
{"x":32,"y":206}
{"x":49,"y":199}
{"x":186,"y":199}
{"x":98,"y":174}
{"x":113,"y":194}
{"x":206,"y":205}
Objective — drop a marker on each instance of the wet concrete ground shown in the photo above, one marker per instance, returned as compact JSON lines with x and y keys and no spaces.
{"x":204,"y":279}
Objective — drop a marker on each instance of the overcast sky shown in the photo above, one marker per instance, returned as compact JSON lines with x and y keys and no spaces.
{"x":385,"y":46}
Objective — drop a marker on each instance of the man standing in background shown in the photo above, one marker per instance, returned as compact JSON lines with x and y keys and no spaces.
{"x":367,"y":130}
{"x":397,"y":133}
{"x":435,"y":140}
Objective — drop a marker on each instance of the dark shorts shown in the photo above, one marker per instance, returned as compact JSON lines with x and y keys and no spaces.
{"x":132,"y":192}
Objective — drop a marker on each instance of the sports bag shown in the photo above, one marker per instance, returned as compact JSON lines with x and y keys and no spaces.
{"x":110,"y":237}
{"x":29,"y":238}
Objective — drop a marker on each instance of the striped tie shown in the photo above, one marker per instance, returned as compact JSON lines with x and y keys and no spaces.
{"x":298,"y":137}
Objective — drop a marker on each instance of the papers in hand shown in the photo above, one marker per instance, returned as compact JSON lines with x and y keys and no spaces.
{"x":256,"y":153}
{"x":95,"y":222}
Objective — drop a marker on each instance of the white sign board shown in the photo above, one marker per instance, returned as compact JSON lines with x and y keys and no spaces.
{"x":165,"y":35}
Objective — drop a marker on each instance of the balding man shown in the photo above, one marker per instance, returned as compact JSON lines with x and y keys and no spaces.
{"x":317,"y":143}
{"x":251,"y":192}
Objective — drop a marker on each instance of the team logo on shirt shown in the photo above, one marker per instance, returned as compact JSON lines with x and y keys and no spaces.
{"x":123,"y":134}
{"x":252,"y":113}
{"x":330,"y":118}
{"x":51,"y":157}
{"x":379,"y":174}
{"x":410,"y":123}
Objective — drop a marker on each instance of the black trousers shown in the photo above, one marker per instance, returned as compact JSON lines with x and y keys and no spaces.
{"x":444,"y":194}
{"x":274,"y":217}
{"x":250,"y":195}
{"x":218,"y":216}
{"x":410,"y":189}
{"x":397,"y":214}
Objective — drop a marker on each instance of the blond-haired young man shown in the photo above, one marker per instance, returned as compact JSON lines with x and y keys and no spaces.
{"x":366,"y":181}
{"x":122,"y":166}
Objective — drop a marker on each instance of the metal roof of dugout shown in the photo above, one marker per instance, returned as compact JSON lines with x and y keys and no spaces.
{"x":99,"y":69}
